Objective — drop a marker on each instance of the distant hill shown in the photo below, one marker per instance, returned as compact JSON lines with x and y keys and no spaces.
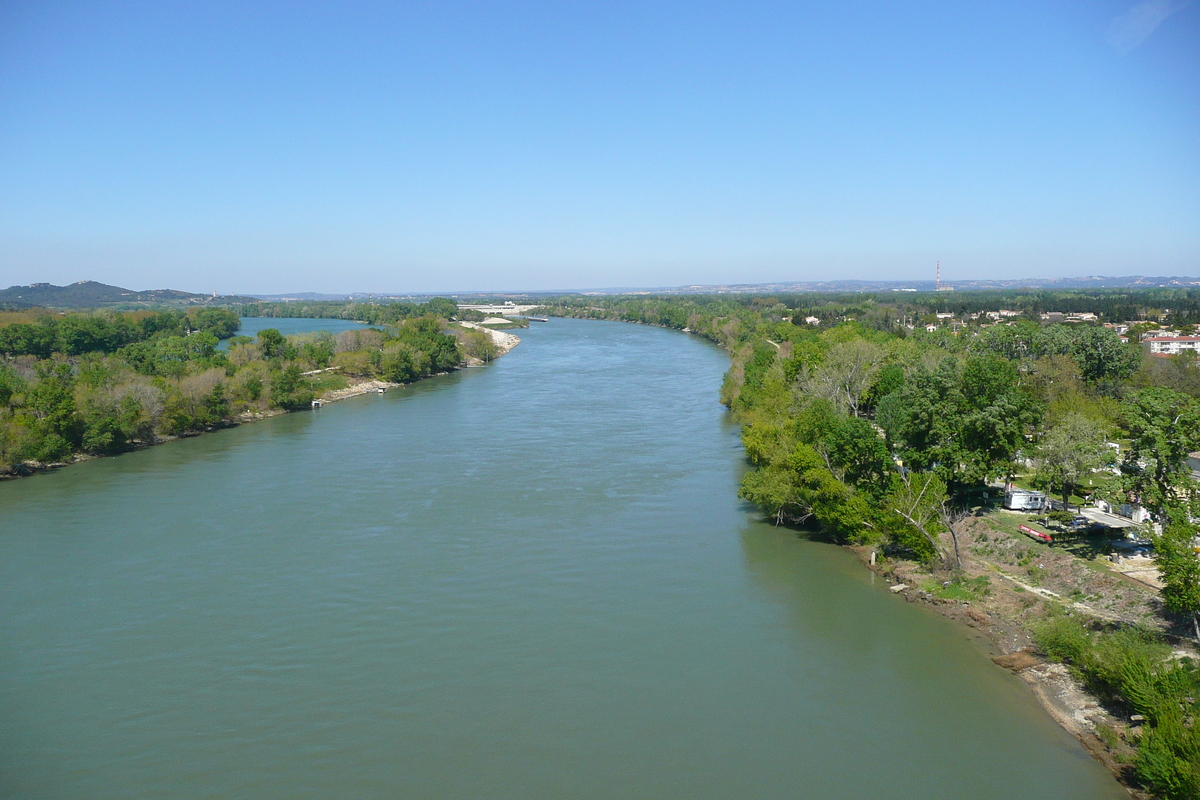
{"x":91,"y":294}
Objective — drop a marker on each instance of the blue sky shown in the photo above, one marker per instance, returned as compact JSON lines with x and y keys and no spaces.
{"x":261,"y":147}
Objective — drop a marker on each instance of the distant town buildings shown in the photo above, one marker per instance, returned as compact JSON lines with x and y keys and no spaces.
{"x":1051,"y":317}
{"x":1173,"y":345}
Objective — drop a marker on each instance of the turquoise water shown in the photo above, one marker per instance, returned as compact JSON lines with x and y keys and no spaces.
{"x":528,"y":580}
{"x":289,"y":325}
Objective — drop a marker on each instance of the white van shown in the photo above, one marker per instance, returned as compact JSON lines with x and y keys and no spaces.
{"x":1023,"y":500}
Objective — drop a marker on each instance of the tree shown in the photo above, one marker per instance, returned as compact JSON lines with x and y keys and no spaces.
{"x":952,"y":520}
{"x":289,"y":390}
{"x":1164,"y":427}
{"x":1179,"y":372}
{"x":851,"y":447}
{"x":441,"y":306}
{"x":1070,"y":452}
{"x":991,"y":436}
{"x":890,"y":378}
{"x":216,"y":405}
{"x":272,"y":343}
{"x":22,"y":339}
{"x":1180,"y":570}
{"x":1102,"y":356}
{"x":318,"y":350}
{"x":10,"y":384}
{"x":51,"y":402}
{"x":220,"y":322}
{"x":399,"y":363}
{"x":1010,"y":341}
{"x":915,"y":508}
{"x":843,"y":378}
{"x":773,"y":489}
{"x":796,"y":483}
{"x":964,"y":423}
{"x":1056,"y":377}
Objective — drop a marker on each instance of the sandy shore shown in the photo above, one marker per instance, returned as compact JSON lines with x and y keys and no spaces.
{"x":503,"y":340}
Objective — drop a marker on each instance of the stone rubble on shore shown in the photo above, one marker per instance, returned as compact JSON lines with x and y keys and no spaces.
{"x":366,"y":387}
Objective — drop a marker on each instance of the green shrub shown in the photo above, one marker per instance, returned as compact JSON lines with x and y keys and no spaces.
{"x":1064,"y":639}
{"x":1135,"y":667}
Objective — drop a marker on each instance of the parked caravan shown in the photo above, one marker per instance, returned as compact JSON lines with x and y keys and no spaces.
{"x":1023,"y":500}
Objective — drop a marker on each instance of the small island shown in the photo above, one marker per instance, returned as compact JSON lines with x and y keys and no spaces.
{"x":79,"y":384}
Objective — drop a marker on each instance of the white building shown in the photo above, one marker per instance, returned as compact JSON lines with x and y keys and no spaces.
{"x":1173,"y":345}
{"x":1129,"y":511}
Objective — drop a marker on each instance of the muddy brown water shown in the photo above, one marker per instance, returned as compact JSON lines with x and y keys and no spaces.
{"x":529,"y":580}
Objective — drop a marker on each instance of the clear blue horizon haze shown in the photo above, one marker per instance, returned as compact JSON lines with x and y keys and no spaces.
{"x":420,"y":147}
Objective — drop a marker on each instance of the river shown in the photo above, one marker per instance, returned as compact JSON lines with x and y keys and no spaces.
{"x":250,"y":326}
{"x":528,"y":580}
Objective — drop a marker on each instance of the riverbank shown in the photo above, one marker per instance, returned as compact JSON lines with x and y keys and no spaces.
{"x":604,"y":594}
{"x":502,"y":341}
{"x":1008,"y":583}
{"x":31,"y":467}
{"x":365,"y":387}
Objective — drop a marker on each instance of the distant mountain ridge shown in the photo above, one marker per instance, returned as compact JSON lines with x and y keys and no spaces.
{"x":92,"y":294}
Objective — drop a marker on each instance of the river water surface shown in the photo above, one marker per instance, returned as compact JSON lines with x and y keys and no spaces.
{"x":288,"y":326}
{"x":530,"y":580}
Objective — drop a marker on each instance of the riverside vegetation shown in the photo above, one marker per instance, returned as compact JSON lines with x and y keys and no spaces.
{"x":885,"y":437}
{"x":101,"y":383}
{"x":829,"y":412}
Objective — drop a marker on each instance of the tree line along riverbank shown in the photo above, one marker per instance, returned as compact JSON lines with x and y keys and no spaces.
{"x":80,"y":385}
{"x":897,"y":441}
{"x":872,"y":433}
